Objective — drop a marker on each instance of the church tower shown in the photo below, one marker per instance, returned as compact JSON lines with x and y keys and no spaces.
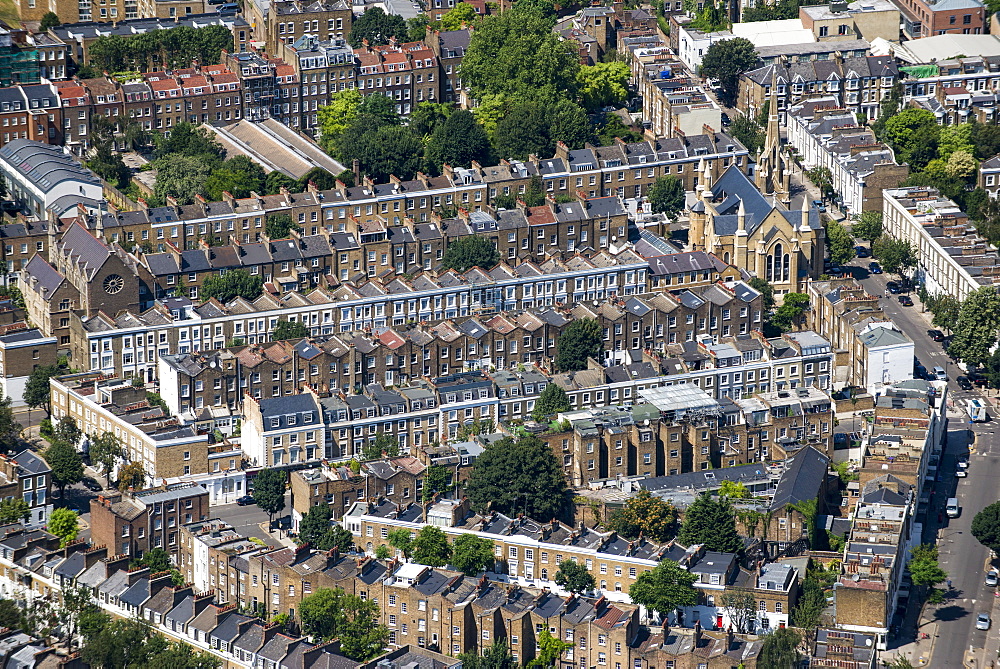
{"x":772,"y":176}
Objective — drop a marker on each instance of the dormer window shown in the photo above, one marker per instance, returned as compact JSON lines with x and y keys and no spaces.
{"x":275,"y":422}
{"x":291,"y":419}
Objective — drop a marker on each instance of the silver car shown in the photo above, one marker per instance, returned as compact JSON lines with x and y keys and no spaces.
{"x":992,"y":578}
{"x":982,"y":621}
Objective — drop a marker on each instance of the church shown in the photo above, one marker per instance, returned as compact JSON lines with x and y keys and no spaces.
{"x":749,"y":224}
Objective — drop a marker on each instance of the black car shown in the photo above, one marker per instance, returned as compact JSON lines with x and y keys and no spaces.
{"x":894,"y":288}
{"x":964,"y":383}
{"x":861,"y":252}
{"x":246,"y":500}
{"x":725,"y":119}
{"x":936,"y":335}
{"x":92,"y":485}
{"x":905,"y":300}
{"x":835,"y":271}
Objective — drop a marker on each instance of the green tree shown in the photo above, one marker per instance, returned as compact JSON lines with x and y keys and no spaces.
{"x":63,"y":523}
{"x":319,"y":612}
{"x":289,"y":330}
{"x":666,"y":195}
{"x":459,"y":140}
{"x":431,"y":547}
{"x":839,"y":243}
{"x":603,"y":85}
{"x":946,"y":310}
{"x":49,"y":20}
{"x":275,"y":180}
{"x":808,"y":611}
{"x":780,"y":649}
{"x":611,"y":127}
{"x":464,"y":253}
{"x":436,"y":479}
{"x":377,"y":28}
{"x":14,"y":510}
{"x":495,"y":656}
{"x":321,"y":178}
{"x":733,"y":490}
{"x":132,"y":476}
{"x":910,"y":132}
{"x":416,"y":28}
{"x":472,"y":554}
{"x":986,"y":527}
{"x":711,"y":522}
{"x":767,"y":293}
{"x":10,"y":429}
{"x":962,"y":165}
{"x":574,"y":577}
{"x":401,"y":540}
{"x":580,"y":340}
{"x":748,"y":132}
{"x":976,"y":327}
{"x":726,"y":61}
{"x":336,"y":117}
{"x":666,"y":588}
{"x":427,"y":116}
{"x":385,"y":445}
{"x":461,"y":15}
{"x":156,"y":559}
{"x":234,"y":283}
{"x":952,"y":138}
{"x":924,"y":567}
{"x":66,"y":465}
{"x":67,"y":431}
{"x":647,"y":515}
{"x":105,"y":451}
{"x":550,"y":649}
{"x":552,"y":400}
{"x":741,"y":609}
{"x":822,"y":178}
{"x":386,"y":151}
{"x":896,"y":255}
{"x":269,"y":492}
{"x":181,"y":177}
{"x":36,"y":390}
{"x":792,"y":307}
{"x":867,"y":226}
{"x":361,"y":636}
{"x":515,"y":54}
{"x":985,"y":138}
{"x":279,"y":226}
{"x":518,"y":476}
{"x":11,"y":616}
{"x":314,"y":528}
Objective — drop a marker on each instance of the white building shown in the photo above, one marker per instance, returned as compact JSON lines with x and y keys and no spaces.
{"x":826,"y":135}
{"x":952,"y":259}
{"x":44,"y":178}
{"x":693,"y":44}
{"x":889,"y":356}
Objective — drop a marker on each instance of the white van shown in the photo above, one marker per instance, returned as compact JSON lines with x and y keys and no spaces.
{"x":951,"y":509}
{"x":939,"y":373}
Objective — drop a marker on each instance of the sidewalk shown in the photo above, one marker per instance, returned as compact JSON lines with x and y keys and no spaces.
{"x":920,"y":651}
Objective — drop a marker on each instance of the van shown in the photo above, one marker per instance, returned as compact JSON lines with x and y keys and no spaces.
{"x":951,"y":509}
{"x":939,"y":373}
{"x":229,"y":9}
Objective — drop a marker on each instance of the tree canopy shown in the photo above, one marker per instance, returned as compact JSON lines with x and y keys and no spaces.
{"x":711,"y":522}
{"x":552,"y":400}
{"x":64,"y":524}
{"x":464,"y":253}
{"x":977,"y":327}
{"x":986,"y":527}
{"x":458,"y":141}
{"x":726,"y":60}
{"x":65,"y":462}
{"x":376,"y":28}
{"x":472,"y":554}
{"x":431,"y":547}
{"x":289,"y":330}
{"x":839,"y":243}
{"x":269,"y":491}
{"x":234,"y":283}
{"x":645,"y":514}
{"x":316,"y":530}
{"x":867,"y":225}
{"x":580,"y":340}
{"x":574,"y":577}
{"x":157,"y":50}
{"x":780,"y":649}
{"x":666,"y":195}
{"x":665,"y":588}
{"x":518,"y":476}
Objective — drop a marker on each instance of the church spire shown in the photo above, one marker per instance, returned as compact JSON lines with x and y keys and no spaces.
{"x":771,"y":174}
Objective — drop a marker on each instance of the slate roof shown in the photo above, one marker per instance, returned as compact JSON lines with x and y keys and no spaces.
{"x":802,"y":479}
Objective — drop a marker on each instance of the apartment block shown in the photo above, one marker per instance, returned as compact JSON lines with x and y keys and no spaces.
{"x":149,"y":436}
{"x":136,"y":522}
{"x":861,"y":166}
{"x":952,"y":259}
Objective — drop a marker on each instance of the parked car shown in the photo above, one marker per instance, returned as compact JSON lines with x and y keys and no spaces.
{"x":874,"y":268}
{"x":992,"y":577}
{"x":229,"y":9}
{"x":861,"y":251}
{"x":894,"y":288}
{"x":819,"y":205}
{"x":936,"y":335}
{"x":246,"y":500}
{"x":963,"y":463}
{"x":983,"y":621}
{"x":725,"y":120}
{"x":836,"y":271}
{"x":92,"y":485}
{"x":905,"y":300}
{"x":964,"y":383}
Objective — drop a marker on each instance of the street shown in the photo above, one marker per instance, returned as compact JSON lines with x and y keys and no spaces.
{"x":960,"y":555}
{"x":247,"y":520}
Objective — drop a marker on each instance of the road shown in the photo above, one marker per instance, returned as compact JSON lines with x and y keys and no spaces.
{"x":964,"y":558}
{"x":247,"y":519}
